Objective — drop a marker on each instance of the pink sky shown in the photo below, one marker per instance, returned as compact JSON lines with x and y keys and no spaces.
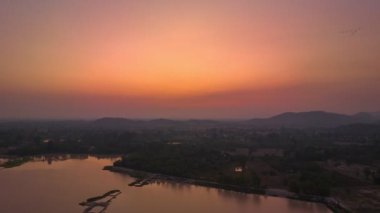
{"x":187,"y":59}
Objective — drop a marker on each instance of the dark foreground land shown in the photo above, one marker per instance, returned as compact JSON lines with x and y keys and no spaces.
{"x":341,"y":162}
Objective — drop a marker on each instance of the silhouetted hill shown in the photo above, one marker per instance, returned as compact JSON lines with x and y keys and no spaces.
{"x":311,"y":119}
{"x":365,"y":116}
{"x":375,"y":115}
{"x":289,"y":119}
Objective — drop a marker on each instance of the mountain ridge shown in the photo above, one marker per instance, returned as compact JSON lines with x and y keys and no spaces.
{"x":305,"y":119}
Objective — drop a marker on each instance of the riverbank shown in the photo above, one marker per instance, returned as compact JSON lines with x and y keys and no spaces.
{"x":144,"y":178}
{"x":10,"y":163}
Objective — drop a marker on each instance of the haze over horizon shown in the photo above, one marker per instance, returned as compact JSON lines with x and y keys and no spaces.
{"x":187,"y":59}
{"x":375,"y":115}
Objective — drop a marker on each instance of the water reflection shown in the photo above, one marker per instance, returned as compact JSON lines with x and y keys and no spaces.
{"x":238,"y":197}
{"x":57,"y":183}
{"x":306,"y":206}
{"x":179,"y":187}
{"x":100,"y":202}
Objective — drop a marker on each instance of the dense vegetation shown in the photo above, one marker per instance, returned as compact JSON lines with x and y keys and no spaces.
{"x":301,"y":160}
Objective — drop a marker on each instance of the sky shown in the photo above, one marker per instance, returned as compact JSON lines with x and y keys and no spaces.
{"x":187,"y":59}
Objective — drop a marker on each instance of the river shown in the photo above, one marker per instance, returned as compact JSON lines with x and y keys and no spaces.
{"x":57,"y":184}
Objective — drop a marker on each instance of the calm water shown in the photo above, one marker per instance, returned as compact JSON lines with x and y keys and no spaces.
{"x":58,"y":186}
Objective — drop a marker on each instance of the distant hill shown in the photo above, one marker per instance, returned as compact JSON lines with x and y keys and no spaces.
{"x":375,"y":115}
{"x":311,"y":119}
{"x":317,"y":119}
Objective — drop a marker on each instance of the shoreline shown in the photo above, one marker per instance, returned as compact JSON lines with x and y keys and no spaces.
{"x":150,"y":177}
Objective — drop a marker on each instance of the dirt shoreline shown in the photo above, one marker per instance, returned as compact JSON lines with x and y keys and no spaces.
{"x":150,"y":177}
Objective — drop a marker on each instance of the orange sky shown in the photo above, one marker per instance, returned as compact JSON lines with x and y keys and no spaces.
{"x":182,"y":59}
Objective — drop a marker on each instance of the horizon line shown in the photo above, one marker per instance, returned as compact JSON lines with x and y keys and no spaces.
{"x":13,"y":119}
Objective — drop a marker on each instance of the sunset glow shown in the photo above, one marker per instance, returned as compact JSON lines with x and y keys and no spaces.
{"x":170,"y":58}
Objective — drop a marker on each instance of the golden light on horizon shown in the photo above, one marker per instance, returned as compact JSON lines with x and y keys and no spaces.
{"x":202,"y":51}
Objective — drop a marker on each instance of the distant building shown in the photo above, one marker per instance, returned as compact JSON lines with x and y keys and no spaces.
{"x":238,"y":169}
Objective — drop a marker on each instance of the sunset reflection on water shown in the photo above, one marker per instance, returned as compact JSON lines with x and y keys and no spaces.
{"x":62,"y":184}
